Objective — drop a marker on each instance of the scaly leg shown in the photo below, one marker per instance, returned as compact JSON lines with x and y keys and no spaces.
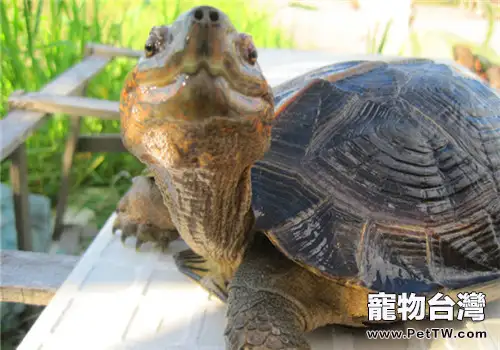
{"x":261,"y":315}
{"x":273,"y":301}
{"x":263,"y":320}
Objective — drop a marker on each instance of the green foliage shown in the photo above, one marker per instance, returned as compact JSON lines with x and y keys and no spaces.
{"x":302,"y":5}
{"x":374,"y":47}
{"x":42,"y":38}
{"x":490,"y":14}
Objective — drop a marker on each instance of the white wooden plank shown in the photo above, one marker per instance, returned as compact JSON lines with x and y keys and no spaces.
{"x":32,"y":278}
{"x":71,"y":105}
{"x":112,"y":51}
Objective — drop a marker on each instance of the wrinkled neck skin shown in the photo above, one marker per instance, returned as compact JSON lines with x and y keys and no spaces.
{"x":204,"y":172}
{"x":211,"y":210}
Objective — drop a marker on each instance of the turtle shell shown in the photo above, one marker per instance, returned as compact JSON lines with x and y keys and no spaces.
{"x":385,"y":174}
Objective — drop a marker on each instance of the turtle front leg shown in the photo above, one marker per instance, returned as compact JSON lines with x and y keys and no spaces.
{"x":141,"y":213}
{"x":261,"y":312}
{"x":273,"y":302}
{"x":262,"y":320}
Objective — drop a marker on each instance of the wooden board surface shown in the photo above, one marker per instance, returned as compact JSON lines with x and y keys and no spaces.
{"x":32,"y":278}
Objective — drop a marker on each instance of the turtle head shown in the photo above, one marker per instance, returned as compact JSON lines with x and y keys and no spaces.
{"x":197,"y":98}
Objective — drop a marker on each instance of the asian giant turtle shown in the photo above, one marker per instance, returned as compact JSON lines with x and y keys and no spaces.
{"x":299,"y":201}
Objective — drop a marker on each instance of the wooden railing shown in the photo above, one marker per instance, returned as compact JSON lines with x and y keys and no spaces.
{"x":28,"y":111}
{"x":62,"y":95}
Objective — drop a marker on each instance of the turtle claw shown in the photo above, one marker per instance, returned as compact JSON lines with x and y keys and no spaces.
{"x":144,"y":233}
{"x":216,"y":287}
{"x":138,"y":244}
{"x":201,"y":271}
{"x":116,"y":225}
{"x":128,"y":229}
{"x":142,"y":214}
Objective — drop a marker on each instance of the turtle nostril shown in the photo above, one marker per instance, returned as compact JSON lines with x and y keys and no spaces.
{"x":206,"y":15}
{"x":198,"y":14}
{"x":214,"y":16}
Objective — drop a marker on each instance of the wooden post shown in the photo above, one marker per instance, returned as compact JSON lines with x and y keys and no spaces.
{"x":19,"y":180}
{"x":67,"y":163}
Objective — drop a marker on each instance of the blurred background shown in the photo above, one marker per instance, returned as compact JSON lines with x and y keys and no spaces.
{"x":40,"y":39}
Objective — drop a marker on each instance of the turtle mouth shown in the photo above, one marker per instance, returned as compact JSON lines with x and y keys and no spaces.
{"x":202,"y":93}
{"x":196,"y":78}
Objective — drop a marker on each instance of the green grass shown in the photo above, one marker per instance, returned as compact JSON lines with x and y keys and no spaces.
{"x":374,"y":47}
{"x":301,"y":5}
{"x":41,"y":39}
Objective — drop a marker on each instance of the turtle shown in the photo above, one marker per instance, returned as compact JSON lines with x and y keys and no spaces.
{"x":298,"y":202}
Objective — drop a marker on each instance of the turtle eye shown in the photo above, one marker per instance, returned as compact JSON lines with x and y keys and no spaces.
{"x":248,"y":49}
{"x":158,"y":39}
{"x":149,"y":49}
{"x":252,"y":56}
